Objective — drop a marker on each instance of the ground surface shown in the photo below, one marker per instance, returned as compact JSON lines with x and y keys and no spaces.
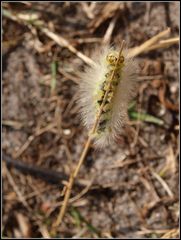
{"x":130,"y":190}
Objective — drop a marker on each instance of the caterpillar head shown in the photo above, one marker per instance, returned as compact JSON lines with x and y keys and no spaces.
{"x":112,"y":57}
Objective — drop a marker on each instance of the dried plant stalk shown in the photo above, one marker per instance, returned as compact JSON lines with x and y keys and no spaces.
{"x":116,"y":61}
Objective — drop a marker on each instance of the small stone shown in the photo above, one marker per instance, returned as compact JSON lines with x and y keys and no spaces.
{"x":67,"y":132}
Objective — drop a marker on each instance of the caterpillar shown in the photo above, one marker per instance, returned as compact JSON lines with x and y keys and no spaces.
{"x":94,"y":83}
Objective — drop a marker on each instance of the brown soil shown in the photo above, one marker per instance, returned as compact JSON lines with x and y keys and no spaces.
{"x":132,"y":188}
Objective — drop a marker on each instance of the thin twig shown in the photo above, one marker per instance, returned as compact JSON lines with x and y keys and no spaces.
{"x":144,"y":231}
{"x":163,"y":183}
{"x":143,"y":47}
{"x":64,"y":43}
{"x":13,"y":124}
{"x":52,"y":177}
{"x":173,"y":233}
{"x":86,"y":148}
{"x":16,"y":189}
{"x":164,"y":44}
{"x":109,"y":31}
{"x":71,"y":182}
{"x":31,"y":138}
{"x":44,"y":231}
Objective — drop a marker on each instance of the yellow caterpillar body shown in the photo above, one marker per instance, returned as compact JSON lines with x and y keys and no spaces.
{"x":111,"y":61}
{"x":95,"y":81}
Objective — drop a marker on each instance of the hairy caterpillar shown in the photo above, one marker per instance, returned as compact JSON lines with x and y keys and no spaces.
{"x":94,"y":83}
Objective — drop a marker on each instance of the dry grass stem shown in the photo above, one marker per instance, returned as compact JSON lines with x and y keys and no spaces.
{"x":109,"y":31}
{"x":15,"y":188}
{"x":86,"y":148}
{"x":163,"y":183}
{"x":143,"y":47}
{"x":173,"y":233}
{"x":164,"y":44}
{"x":64,"y":43}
